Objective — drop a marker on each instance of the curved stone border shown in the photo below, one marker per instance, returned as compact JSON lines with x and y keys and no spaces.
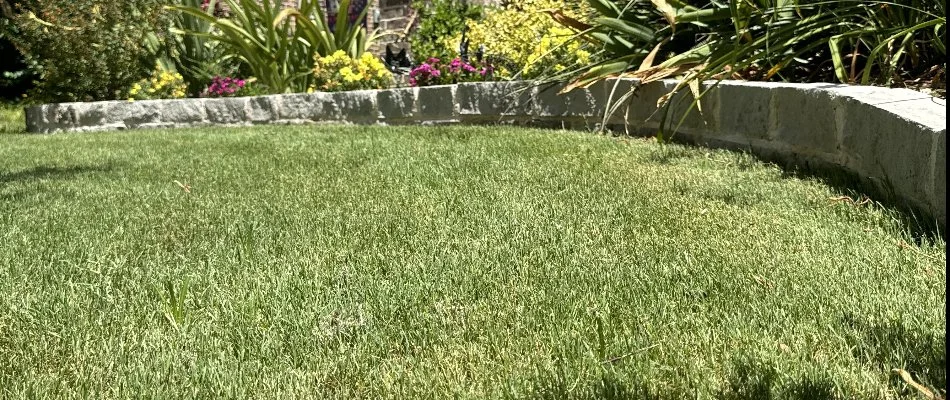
{"x":894,"y":138}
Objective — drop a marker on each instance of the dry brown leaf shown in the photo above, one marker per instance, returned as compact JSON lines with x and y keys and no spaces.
{"x":648,"y":60}
{"x":668,"y":12}
{"x":567,"y":21}
{"x":185,"y":187}
{"x":910,"y":381}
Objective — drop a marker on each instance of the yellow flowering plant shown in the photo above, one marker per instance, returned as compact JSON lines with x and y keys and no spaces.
{"x":338,"y":72}
{"x":162,"y":84}
{"x":521,"y":37}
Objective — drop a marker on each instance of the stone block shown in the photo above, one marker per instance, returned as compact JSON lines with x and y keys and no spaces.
{"x":744,"y":108}
{"x":681,"y":115}
{"x":182,"y":111}
{"x":227,"y":110}
{"x":617,"y":94}
{"x":36,"y":119}
{"x":303,"y":106}
{"x":396,"y":105}
{"x":262,"y":110}
{"x":938,"y":200}
{"x":894,"y":152}
{"x":803,"y":117}
{"x":357,"y":106}
{"x":437,"y":102}
{"x":95,"y":114}
{"x":137,"y":113}
{"x":61,"y":116}
{"x":550,"y":102}
{"x":642,"y":105}
{"x":490,"y":100}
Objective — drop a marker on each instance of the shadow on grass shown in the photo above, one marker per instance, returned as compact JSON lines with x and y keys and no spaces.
{"x":844,"y":183}
{"x":893,"y":344}
{"x":755,"y":380}
{"x":560,"y":386}
{"x":750,"y":379}
{"x":44,"y":172}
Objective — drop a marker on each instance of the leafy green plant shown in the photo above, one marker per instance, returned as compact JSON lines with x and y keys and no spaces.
{"x":196,"y":57}
{"x":339,"y":71}
{"x":173,"y":302}
{"x":876,"y":42}
{"x":86,"y":49}
{"x":277,"y":44}
{"x":441,"y":21}
{"x":523,"y":41}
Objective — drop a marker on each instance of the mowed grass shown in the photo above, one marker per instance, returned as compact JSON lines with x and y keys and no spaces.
{"x":447,"y":262}
{"x":12,"y":119}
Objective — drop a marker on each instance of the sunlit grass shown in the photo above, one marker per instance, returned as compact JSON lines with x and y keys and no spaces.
{"x":11,"y":119}
{"x":447,"y":262}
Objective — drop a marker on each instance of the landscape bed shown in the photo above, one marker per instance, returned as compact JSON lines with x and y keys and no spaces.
{"x":466,"y":262}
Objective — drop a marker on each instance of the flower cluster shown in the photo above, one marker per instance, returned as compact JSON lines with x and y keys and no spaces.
{"x":434,"y":72}
{"x":225,"y":87}
{"x":522,"y":38}
{"x":338,"y":72}
{"x":555,"y":52}
{"x":162,"y":84}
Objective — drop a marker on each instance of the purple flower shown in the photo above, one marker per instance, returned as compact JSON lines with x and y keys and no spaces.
{"x":225,"y":86}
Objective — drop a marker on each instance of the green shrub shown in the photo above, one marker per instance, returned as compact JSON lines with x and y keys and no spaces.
{"x":278,"y":45}
{"x":196,"y":57}
{"x":521,"y":38}
{"x":871,"y":42}
{"x":86,"y":50}
{"x":867,"y":42}
{"x":440,"y":22}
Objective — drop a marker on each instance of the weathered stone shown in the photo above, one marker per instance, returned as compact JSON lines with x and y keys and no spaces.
{"x":36,"y":119}
{"x":550,"y":102}
{"x":182,"y":111}
{"x":94,"y":114}
{"x":303,"y":106}
{"x":227,"y":110}
{"x":890,"y":150}
{"x":396,"y":105}
{"x":62,"y":115}
{"x":743,"y":108}
{"x":136,"y":114}
{"x":357,"y":106}
{"x":262,"y":109}
{"x":490,"y":100}
{"x":615,"y":94}
{"x":939,"y":196}
{"x":436,"y":103}
{"x":803,"y":117}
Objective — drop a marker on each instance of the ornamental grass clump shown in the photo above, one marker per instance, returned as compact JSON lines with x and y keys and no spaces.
{"x":435,"y":72}
{"x":339,"y":72}
{"x":162,"y":84}
{"x":278,"y":44}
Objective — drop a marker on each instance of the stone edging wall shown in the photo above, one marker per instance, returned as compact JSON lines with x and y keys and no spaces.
{"x":893,"y":138}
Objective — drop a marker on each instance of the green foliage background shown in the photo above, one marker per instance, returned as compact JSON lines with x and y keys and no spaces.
{"x":440,"y":20}
{"x":86,"y":50}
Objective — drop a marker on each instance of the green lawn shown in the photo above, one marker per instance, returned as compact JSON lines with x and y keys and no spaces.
{"x":11,"y":119}
{"x":447,"y":262}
